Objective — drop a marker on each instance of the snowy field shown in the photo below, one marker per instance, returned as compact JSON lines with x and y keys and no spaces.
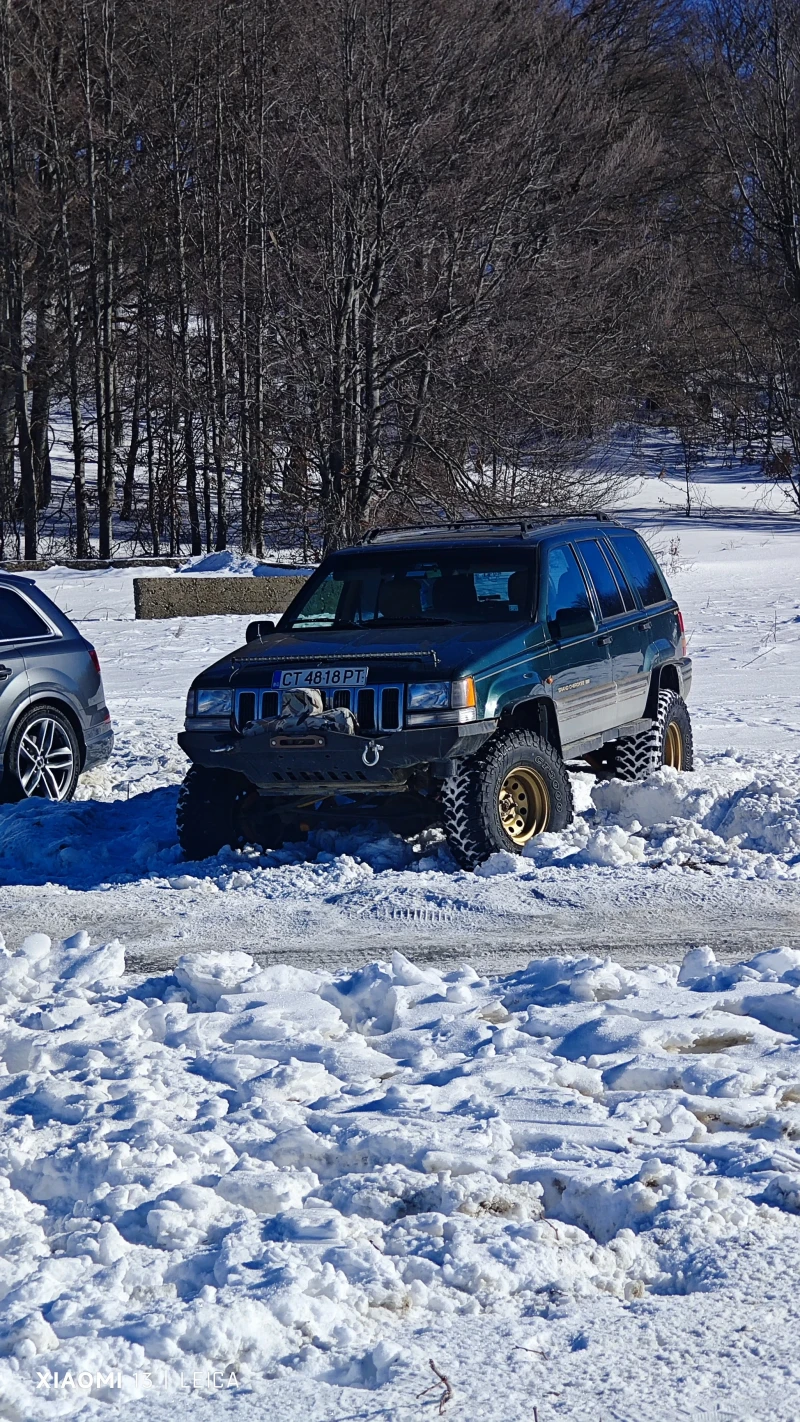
{"x":277,"y":1130}
{"x":644,"y":872}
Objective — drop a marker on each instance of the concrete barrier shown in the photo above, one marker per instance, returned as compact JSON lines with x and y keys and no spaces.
{"x":191,"y":596}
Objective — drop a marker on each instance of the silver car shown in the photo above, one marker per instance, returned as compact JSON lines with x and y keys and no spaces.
{"x":54,"y":722}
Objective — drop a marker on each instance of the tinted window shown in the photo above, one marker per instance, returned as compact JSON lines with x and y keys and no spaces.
{"x":411,"y":589}
{"x":622,"y":582}
{"x":18,"y":619}
{"x":641,"y":569}
{"x":566,"y":589}
{"x":608,"y":594}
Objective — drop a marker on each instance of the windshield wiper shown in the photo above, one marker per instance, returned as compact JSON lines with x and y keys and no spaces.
{"x":371,"y":626}
{"x":411,"y":622}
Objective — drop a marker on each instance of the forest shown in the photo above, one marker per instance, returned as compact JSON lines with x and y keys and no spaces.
{"x":280,"y":270}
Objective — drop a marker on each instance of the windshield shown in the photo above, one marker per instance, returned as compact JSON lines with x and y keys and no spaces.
{"x":411,"y":589}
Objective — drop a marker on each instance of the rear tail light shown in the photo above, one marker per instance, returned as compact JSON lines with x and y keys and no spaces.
{"x":682,"y":631}
{"x":94,"y":659}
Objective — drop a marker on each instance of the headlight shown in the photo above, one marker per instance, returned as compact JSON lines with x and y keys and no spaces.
{"x":428,"y":695}
{"x":216,"y":702}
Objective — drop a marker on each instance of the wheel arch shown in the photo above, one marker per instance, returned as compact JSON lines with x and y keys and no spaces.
{"x":537,"y":714}
{"x":663,"y":678}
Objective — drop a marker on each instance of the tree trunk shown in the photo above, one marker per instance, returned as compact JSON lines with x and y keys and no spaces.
{"x":27,"y":473}
{"x":136,"y":417}
{"x":152,"y":491}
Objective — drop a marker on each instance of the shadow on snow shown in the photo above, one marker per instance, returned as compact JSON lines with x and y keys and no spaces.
{"x":88,"y":843}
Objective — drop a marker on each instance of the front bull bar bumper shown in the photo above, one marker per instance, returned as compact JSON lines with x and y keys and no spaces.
{"x":328,"y":762}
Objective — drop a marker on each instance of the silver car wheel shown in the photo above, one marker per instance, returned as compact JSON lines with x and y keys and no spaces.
{"x":45,"y":759}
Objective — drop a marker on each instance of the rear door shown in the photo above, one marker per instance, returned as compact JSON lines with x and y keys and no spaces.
{"x":580,"y":664}
{"x":655,"y":619}
{"x":15,"y":626}
{"x":621,"y":621}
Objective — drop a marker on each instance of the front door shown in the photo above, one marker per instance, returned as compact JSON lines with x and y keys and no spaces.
{"x":580,"y":664}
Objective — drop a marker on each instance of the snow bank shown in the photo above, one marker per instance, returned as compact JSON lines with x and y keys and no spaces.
{"x":229,"y":564}
{"x":726,"y":815}
{"x":89,"y":841}
{"x":727,"y":819}
{"x":275,"y":1173}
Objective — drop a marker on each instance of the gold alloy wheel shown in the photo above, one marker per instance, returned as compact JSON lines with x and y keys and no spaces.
{"x":524,"y":804}
{"x":673,"y":747}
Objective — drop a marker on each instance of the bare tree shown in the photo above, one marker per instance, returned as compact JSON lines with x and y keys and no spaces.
{"x":747,"y":83}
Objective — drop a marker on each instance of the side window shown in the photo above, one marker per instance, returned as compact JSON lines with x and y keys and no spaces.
{"x":608,"y":594}
{"x":18,"y":619}
{"x":641,"y":569}
{"x":622,"y":582}
{"x":569,"y":608}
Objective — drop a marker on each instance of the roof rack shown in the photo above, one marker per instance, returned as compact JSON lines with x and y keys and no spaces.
{"x":524,"y":524}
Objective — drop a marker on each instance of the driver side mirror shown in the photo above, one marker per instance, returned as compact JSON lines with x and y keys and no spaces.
{"x":256,"y":630}
{"x":572,"y":622}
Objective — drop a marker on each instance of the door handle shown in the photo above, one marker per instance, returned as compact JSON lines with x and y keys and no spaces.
{"x":605,"y":641}
{"x":5,"y":673}
{"x":645,"y":626}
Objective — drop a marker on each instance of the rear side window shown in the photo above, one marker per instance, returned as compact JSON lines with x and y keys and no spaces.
{"x":18,"y":619}
{"x":608,"y":594}
{"x":641,"y":568}
{"x":622,"y":582}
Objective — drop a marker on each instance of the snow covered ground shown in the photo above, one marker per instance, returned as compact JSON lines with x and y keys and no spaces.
{"x":333,"y":1112}
{"x":575,"y":1187}
{"x":644,"y":872}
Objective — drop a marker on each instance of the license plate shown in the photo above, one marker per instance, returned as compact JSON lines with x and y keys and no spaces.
{"x":325,"y":678}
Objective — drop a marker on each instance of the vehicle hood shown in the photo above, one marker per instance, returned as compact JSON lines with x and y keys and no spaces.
{"x":435,"y":653}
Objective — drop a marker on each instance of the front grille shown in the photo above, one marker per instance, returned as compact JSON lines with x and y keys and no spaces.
{"x":376,"y":708}
{"x":390,"y":708}
{"x":247,"y":707}
{"x":365,"y":709}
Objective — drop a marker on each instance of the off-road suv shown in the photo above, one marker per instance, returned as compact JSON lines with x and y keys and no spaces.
{"x":442,"y":674}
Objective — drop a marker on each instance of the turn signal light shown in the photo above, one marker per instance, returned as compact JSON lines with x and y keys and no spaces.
{"x":462,"y":693}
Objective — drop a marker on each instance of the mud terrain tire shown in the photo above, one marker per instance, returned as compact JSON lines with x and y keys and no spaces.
{"x":212,"y":813}
{"x":668,"y":742}
{"x":487,"y":803}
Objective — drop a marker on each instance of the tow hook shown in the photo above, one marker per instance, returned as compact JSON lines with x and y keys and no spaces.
{"x":371,"y":754}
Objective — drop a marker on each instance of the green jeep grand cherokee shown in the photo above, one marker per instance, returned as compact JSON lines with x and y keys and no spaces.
{"x":442,"y":674}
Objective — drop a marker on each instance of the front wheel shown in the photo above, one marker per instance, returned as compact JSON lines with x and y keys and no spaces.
{"x":669,"y":742}
{"x":43,"y":758}
{"x":220,"y":807}
{"x":515,"y":789}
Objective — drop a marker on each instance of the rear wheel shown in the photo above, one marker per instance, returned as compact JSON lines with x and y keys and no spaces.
{"x":43,"y":758}
{"x":516,"y":788}
{"x":218,"y":808}
{"x":668,"y":742}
